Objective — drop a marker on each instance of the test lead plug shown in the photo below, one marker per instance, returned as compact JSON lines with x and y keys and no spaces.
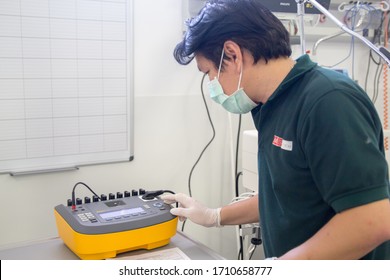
{"x":153,"y":194}
{"x":73,"y":201}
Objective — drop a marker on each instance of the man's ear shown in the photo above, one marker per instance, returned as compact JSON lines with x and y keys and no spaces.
{"x":233,"y":52}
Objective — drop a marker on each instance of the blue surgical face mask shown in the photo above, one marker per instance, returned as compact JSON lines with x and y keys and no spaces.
{"x":238,"y":102}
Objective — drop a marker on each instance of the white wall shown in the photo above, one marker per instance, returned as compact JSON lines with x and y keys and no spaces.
{"x":171,"y":129}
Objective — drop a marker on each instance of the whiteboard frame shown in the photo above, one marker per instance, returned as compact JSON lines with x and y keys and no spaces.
{"x":50,"y":166}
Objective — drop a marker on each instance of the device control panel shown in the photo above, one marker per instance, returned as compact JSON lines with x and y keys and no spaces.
{"x":115,"y":212}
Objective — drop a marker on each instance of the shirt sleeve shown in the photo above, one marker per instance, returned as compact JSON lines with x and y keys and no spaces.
{"x":343,"y":142}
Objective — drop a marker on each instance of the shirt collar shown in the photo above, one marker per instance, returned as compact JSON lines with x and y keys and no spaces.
{"x":303,"y":65}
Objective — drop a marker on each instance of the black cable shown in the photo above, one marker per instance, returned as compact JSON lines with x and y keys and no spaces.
{"x":183,"y":224}
{"x":378,"y":79}
{"x":241,"y":240}
{"x":237,"y":149}
{"x":368,"y":71}
{"x":375,"y":90}
{"x":374,"y":97}
{"x":239,"y":257}
{"x":237,"y":175}
{"x":373,"y":59}
{"x":376,"y":82}
{"x":73,"y":193}
{"x":152,"y":194}
{"x":211,"y":140}
{"x":205,"y":148}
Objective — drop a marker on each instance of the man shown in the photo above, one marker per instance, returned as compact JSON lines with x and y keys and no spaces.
{"x":323,"y":177}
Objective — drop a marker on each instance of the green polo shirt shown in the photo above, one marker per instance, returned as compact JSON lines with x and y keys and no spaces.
{"x":320,"y":152}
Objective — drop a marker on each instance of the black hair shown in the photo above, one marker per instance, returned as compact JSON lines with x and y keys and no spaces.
{"x":246,"y":22}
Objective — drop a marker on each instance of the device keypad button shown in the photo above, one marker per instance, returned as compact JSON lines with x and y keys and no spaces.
{"x":158,"y":204}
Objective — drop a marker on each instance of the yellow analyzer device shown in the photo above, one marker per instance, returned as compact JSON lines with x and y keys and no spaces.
{"x":107,"y":226}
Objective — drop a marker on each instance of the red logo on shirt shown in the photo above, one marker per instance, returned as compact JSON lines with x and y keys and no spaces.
{"x":282,"y":143}
{"x":277,"y":141}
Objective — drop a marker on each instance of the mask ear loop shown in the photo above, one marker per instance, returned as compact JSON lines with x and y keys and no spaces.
{"x":239,"y":80}
{"x":220,"y":63}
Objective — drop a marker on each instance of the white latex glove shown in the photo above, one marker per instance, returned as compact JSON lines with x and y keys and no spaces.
{"x":193,"y":210}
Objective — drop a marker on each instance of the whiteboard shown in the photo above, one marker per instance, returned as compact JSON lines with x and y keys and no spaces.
{"x":66,"y":84}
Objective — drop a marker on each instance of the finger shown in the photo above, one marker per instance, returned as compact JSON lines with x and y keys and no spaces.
{"x":176,"y":212}
{"x":168,"y":198}
{"x":182,"y":219}
{"x":181,"y":212}
{"x":184,"y":200}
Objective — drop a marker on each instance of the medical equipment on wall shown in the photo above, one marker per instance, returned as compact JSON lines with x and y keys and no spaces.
{"x":359,"y":17}
{"x":381,"y":51}
{"x":289,"y":6}
{"x":104,"y":226}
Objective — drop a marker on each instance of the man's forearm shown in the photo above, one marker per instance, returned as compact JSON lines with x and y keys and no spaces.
{"x":242,"y":212}
{"x":350,"y":234}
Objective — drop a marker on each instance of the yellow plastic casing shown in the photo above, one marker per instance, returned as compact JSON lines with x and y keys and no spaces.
{"x":108,"y":245}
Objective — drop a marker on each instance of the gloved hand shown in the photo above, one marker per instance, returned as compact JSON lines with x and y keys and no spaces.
{"x":193,"y":210}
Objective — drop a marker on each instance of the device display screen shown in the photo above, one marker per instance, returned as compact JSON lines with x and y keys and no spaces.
{"x":121,"y":212}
